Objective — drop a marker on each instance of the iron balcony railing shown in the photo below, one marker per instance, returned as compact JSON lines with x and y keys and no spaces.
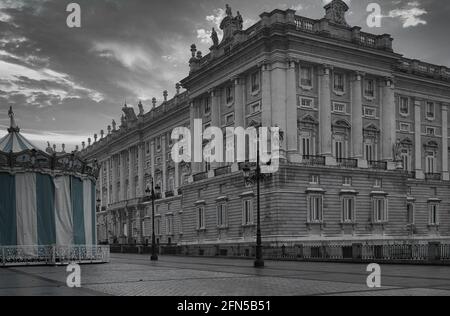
{"x":222,"y":171}
{"x":200,"y":176}
{"x":433,"y":176}
{"x":314,"y":160}
{"x":347,"y":162}
{"x":376,"y":164}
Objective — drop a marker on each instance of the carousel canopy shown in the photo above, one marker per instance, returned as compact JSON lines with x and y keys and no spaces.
{"x":14,"y":142}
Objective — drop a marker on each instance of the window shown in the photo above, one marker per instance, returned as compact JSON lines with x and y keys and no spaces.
{"x":338,"y":82}
{"x":430,"y":163}
{"x":229,"y":95}
{"x":169,"y":225}
{"x":247,"y":212}
{"x":314,"y":179}
{"x":339,"y":150}
{"x":158,"y":143}
{"x":369,"y":112}
{"x":380,"y":209}
{"x":410,"y":213}
{"x":406,"y":160}
{"x":222,"y":215}
{"x":348,"y":209}
{"x":431,"y":131}
{"x":431,"y":111}
{"x":229,"y":119}
{"x":306,"y":76}
{"x":347,"y":181}
{"x":207,"y":106}
{"x":433,"y":211}
{"x":339,"y":107}
{"x":157,"y":226}
{"x":306,"y":145}
{"x":378,"y":183}
{"x":255,"y":78}
{"x":315,"y":208}
{"x":405,"y":127}
{"x":254,"y":108}
{"x":369,"y":151}
{"x":404,"y":106}
{"x":369,"y":88}
{"x":306,"y":102}
{"x":201,"y":218}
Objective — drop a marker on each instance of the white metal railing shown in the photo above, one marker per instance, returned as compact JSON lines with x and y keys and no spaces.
{"x":53,"y":255}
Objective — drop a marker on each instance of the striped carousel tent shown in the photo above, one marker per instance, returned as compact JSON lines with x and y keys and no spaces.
{"x":47,"y":199}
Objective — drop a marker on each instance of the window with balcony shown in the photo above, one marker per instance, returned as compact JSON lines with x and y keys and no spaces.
{"x":406,"y":159}
{"x":339,"y":149}
{"x":306,"y":144}
{"x":430,"y":163}
{"x":431,"y":111}
{"x":339,"y":83}
{"x":404,"y":106}
{"x":380,"y":209}
{"x":348,"y":209}
{"x":370,"y":151}
{"x":306,"y":77}
{"x":247,"y":212}
{"x":255,"y":82}
{"x":222,"y":215}
{"x":157,"y":225}
{"x":315,"y":208}
{"x":369,"y":88}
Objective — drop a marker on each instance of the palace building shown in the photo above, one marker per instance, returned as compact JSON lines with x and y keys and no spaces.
{"x":364,"y":152}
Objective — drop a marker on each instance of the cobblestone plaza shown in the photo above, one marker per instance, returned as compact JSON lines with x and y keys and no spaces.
{"x":136,"y":275}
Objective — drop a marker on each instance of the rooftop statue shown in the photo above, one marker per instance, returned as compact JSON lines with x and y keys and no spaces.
{"x":214,"y":37}
{"x":228,"y":11}
{"x":335,"y":12}
{"x":13,"y":126}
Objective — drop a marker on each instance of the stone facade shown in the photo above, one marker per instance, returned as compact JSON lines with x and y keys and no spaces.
{"x":365,"y":141}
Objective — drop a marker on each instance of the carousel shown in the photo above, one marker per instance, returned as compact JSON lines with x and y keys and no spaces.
{"x":47,"y":204}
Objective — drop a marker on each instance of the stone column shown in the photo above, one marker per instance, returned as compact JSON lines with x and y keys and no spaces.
{"x":266,"y":95}
{"x":278,"y":92}
{"x":357,"y":120}
{"x":114,"y":179}
{"x":445,"y":173}
{"x":131,"y":174}
{"x":388,"y":121}
{"x":141,"y":184}
{"x":291,"y":134}
{"x":176,"y":178}
{"x":195,"y":167}
{"x":108,"y":181}
{"x":325,"y":136}
{"x":215,"y":117}
{"x":152,"y":159}
{"x":239,"y":101}
{"x":164,"y":166}
{"x":122,"y":196}
{"x":418,"y":139}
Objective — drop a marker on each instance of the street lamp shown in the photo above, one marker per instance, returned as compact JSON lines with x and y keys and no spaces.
{"x":152,"y":193}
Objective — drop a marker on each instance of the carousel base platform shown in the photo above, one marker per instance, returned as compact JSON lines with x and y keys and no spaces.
{"x":52,"y":255}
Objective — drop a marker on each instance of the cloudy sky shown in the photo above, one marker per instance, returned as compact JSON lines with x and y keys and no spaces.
{"x":66,"y":84}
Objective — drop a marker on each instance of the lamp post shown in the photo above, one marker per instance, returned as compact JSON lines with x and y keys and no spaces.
{"x":151,"y":192}
{"x":256,"y":177}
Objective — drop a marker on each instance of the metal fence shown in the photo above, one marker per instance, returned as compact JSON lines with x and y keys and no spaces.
{"x":52,"y":255}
